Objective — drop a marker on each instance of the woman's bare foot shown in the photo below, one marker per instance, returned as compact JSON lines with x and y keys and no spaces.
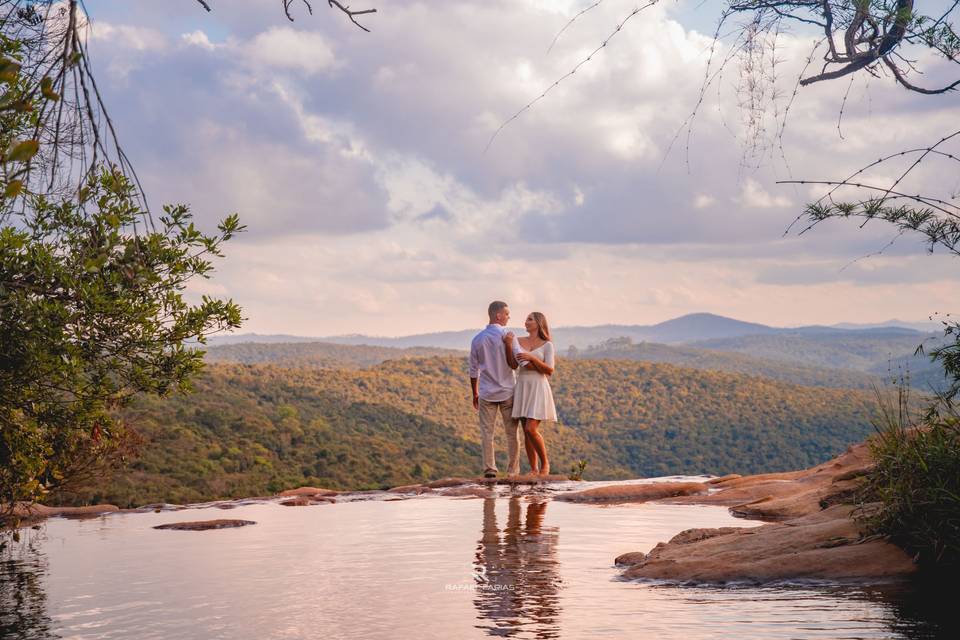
{"x":544,"y":469}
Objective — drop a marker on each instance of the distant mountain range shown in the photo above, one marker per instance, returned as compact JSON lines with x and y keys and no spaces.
{"x":690,"y":328}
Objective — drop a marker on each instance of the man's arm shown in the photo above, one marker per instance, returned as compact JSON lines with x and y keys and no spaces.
{"x":474,"y":373}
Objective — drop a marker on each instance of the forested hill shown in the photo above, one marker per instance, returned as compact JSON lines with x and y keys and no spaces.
{"x":323,"y":355}
{"x":866,"y":350}
{"x":710,"y":359}
{"x":255,"y":429}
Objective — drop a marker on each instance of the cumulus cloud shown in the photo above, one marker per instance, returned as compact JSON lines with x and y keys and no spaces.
{"x":360,"y":163}
{"x":289,"y":48}
{"x":755,"y":196}
{"x":198,"y":38}
{"x":702,"y":201}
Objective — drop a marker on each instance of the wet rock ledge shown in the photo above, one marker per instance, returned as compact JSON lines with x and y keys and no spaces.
{"x":813,"y":537}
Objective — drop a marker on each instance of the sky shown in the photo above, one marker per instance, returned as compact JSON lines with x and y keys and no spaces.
{"x":377,"y":199}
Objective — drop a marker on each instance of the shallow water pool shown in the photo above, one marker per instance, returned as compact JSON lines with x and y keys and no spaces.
{"x":517,"y":566}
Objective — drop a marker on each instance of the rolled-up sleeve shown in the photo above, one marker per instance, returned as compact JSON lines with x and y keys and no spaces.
{"x":474,"y":359}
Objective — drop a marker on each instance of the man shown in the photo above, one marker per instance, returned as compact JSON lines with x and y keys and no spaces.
{"x":492,"y":381}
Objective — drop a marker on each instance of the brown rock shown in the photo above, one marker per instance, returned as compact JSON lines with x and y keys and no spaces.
{"x":156,"y":507}
{"x":696,"y":535}
{"x":826,"y":545}
{"x":409,"y":488}
{"x":307,"y":491}
{"x":29,"y":512}
{"x":729,"y":476}
{"x":447,"y":482}
{"x":631,"y":558}
{"x":527,"y":478}
{"x":634,"y":492}
{"x":475,"y":492}
{"x":305,"y":501}
{"x":808,"y":499}
{"x":760,"y":478}
{"x":205,"y":525}
{"x":780,"y":496}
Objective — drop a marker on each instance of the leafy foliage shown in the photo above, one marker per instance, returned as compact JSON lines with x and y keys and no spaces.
{"x":257,"y":429}
{"x":323,"y":355}
{"x":92,"y":307}
{"x":916,"y":483}
{"x":714,"y":360}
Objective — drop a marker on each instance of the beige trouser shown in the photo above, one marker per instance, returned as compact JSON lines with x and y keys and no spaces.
{"x":488,"y":420}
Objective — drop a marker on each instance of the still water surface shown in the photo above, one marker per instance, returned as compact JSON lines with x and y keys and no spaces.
{"x":517,"y":566}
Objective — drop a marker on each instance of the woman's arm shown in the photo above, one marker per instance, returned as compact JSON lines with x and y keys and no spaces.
{"x":545,"y":366}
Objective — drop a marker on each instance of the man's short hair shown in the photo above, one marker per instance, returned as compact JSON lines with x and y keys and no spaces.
{"x":495,"y":307}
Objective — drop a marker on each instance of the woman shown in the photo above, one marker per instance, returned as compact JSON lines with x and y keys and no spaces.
{"x":533,"y":357}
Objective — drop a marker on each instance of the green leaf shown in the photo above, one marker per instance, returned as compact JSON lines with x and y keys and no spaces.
{"x":14,"y":187}
{"x":46,"y":89}
{"x":23,"y":151}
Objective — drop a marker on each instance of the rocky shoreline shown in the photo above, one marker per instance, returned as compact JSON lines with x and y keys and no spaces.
{"x":811,"y":532}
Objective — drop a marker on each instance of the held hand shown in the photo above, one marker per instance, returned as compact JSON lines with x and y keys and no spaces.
{"x":476,"y":402}
{"x":523,"y":356}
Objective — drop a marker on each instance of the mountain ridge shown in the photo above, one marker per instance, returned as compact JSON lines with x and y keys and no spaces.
{"x":687,"y":328}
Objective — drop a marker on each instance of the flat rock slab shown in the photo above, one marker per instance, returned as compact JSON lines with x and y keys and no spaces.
{"x":205,"y":525}
{"x":443,"y":483}
{"x":729,"y":476}
{"x":782,"y":496}
{"x":303,"y":501}
{"x":527,"y":478}
{"x":156,"y":507}
{"x":307,"y":491}
{"x":28,"y":512}
{"x":473,"y":492}
{"x":823,"y":546}
{"x":635,"y":492}
{"x":795,"y":505}
{"x":415,"y":489}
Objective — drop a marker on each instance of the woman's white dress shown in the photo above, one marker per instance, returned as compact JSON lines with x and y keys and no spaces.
{"x":532,"y":397}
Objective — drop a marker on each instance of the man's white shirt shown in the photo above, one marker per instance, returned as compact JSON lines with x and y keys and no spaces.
{"x":489,"y":365}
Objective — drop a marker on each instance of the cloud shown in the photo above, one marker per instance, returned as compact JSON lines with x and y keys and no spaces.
{"x":198,"y":38}
{"x":753,"y":195}
{"x":360,"y":163}
{"x":289,"y":48}
{"x":702,"y":201}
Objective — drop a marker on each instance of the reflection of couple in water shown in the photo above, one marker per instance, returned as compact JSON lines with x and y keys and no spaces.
{"x":517,"y":571}
{"x":523,"y":398}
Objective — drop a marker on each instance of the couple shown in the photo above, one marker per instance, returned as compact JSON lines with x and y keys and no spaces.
{"x":521,"y":399}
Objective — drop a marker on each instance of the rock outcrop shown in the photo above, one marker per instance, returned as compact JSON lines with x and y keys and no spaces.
{"x":635,"y":492}
{"x":29,"y":512}
{"x":205,"y":525}
{"x":826,"y":545}
{"x":781,"y":496}
{"x":813,"y":537}
{"x":307,"y":491}
{"x":465,"y":492}
{"x":306,"y":501}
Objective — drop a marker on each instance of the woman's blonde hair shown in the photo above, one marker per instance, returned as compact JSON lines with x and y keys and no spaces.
{"x":543,"y":329}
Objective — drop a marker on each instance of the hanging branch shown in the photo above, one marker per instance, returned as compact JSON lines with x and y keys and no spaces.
{"x":352,"y":14}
